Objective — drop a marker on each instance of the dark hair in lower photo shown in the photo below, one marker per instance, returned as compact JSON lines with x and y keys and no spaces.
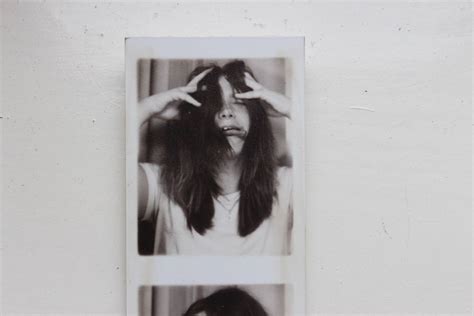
{"x":195,"y":148}
{"x":227,"y":302}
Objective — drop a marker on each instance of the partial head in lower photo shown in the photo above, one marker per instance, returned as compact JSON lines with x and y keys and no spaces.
{"x":230,"y":301}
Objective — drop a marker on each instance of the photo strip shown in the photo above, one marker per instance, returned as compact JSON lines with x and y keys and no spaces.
{"x":215,"y":162}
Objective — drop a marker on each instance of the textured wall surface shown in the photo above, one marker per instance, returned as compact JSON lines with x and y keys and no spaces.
{"x":388,"y":118}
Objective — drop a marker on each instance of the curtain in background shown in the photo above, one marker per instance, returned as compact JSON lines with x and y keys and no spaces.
{"x":174,"y":300}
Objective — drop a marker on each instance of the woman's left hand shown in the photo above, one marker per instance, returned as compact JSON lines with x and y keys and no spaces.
{"x":280,"y":104}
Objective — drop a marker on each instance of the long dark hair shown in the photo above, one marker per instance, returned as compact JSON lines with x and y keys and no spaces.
{"x":195,"y":147}
{"x":227,"y":302}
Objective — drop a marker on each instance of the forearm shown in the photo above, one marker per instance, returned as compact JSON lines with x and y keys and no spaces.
{"x":145,"y":109}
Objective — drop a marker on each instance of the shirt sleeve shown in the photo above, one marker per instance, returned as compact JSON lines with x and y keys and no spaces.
{"x":154,"y":193}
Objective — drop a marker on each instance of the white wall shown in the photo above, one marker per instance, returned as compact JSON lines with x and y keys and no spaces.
{"x":388,"y":117}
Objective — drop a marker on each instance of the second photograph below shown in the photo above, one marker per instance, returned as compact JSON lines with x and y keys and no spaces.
{"x":212,"y":300}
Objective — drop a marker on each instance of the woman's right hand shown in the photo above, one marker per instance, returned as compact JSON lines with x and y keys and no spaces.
{"x":165,"y":104}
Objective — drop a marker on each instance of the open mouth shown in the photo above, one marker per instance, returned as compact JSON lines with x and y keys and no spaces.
{"x":233,"y":131}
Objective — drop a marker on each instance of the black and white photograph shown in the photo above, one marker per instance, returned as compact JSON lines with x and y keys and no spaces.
{"x":212,"y":300}
{"x":215,"y":170}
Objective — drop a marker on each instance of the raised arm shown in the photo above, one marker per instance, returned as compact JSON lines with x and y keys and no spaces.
{"x":280,"y":105}
{"x":165,"y":104}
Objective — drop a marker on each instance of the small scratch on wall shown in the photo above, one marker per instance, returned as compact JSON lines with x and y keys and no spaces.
{"x":385,"y":230}
{"x":361,"y":108}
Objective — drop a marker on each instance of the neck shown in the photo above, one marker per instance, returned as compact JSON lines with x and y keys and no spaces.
{"x":229,"y":175}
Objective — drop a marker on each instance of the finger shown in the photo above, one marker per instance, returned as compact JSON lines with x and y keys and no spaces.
{"x":188,"y":89}
{"x":250,"y":82}
{"x":186,"y":97}
{"x":248,"y":75}
{"x":198,"y":78}
{"x":248,"y":95}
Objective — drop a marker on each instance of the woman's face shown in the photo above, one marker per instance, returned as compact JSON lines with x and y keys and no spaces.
{"x":233,"y":119}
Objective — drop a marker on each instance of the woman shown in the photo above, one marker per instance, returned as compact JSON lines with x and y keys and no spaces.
{"x":218,"y":189}
{"x":227,"y":302}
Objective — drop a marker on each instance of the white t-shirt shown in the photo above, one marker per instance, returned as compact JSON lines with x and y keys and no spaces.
{"x":272,"y":237}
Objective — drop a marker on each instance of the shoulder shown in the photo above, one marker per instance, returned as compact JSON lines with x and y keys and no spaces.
{"x":154,"y":199}
{"x":284,"y":190}
{"x":151,"y":173}
{"x":151,"y":170}
{"x":284,"y":176}
{"x":284,"y":181}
